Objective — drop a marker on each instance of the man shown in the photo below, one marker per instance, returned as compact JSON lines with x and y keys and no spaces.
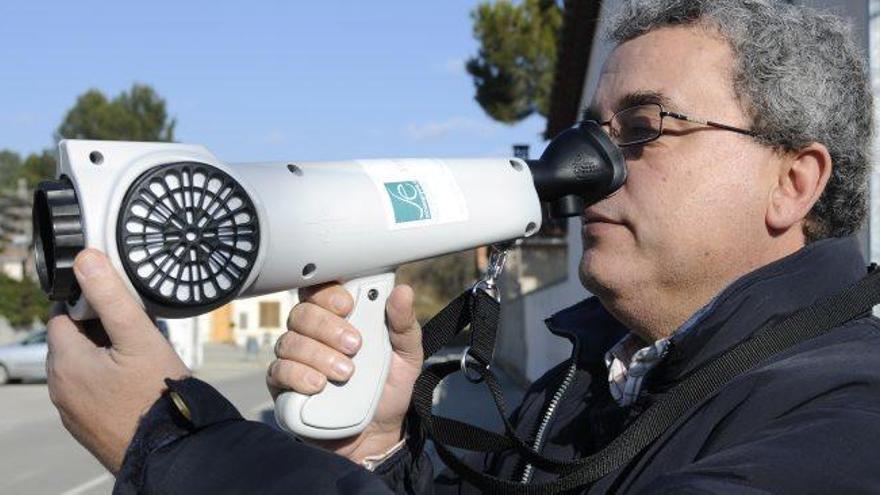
{"x":746,"y":127}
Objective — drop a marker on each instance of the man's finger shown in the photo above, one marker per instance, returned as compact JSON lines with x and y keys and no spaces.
{"x":317,"y":323}
{"x":403,"y":327}
{"x":331,"y":296}
{"x":124,"y":320}
{"x":284,"y":375}
{"x":64,"y":336}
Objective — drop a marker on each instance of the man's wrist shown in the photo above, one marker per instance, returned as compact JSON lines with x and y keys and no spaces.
{"x":371,"y":462}
{"x":410,"y":438}
{"x":370,"y":445}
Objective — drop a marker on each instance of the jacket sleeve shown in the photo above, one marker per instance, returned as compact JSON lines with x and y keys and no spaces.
{"x":826,"y":449}
{"x":194,"y":441}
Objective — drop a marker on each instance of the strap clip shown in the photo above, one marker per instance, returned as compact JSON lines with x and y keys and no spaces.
{"x":497,"y":258}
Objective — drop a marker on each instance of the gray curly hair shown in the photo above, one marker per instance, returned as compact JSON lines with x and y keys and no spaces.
{"x":800,"y":78}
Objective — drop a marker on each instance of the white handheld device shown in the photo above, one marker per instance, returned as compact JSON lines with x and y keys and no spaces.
{"x":192,"y":233}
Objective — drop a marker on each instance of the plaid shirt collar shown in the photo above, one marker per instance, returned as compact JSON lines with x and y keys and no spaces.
{"x":632,"y":358}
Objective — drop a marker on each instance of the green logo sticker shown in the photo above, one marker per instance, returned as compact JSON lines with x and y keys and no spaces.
{"x":408,"y":200}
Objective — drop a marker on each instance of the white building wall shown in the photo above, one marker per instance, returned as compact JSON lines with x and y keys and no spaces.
{"x":203,"y":326}
{"x":13,"y":269}
{"x":874,"y":53}
{"x":187,"y":340}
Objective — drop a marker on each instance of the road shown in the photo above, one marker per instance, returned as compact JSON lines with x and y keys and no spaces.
{"x":38,"y":456}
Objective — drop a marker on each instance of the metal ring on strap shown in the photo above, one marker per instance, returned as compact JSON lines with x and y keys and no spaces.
{"x":464,"y":367}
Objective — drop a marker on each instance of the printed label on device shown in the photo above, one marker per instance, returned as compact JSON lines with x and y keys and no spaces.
{"x":417,"y":192}
{"x":408,"y":200}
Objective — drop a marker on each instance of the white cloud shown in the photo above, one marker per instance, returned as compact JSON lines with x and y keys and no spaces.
{"x":454,"y":125}
{"x":275,"y":137}
{"x":454,"y":66}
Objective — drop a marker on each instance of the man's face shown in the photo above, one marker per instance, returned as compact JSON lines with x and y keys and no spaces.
{"x":692,"y":211}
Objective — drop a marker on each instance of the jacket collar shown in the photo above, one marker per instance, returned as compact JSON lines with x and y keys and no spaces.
{"x":757,"y":298}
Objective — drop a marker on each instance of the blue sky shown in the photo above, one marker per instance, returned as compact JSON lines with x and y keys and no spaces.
{"x":262,"y":80}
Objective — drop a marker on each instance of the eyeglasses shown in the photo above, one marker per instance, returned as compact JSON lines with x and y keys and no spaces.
{"x":644,"y":123}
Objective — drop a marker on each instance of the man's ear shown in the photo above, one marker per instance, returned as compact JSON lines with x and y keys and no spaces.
{"x":801,"y":179}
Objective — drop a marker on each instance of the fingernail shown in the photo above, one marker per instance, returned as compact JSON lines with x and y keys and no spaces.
{"x":89,"y":264}
{"x":338,"y":303}
{"x":314,"y":379}
{"x":350,"y":342}
{"x":343,"y":368}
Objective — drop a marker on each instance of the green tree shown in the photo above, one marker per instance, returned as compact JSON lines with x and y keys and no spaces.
{"x":37,"y":167}
{"x":10,"y":166}
{"x":513,"y":70}
{"x":135,"y":115}
{"x":22,"y":301}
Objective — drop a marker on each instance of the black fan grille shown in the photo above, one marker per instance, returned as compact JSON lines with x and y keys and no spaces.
{"x":188,"y":235}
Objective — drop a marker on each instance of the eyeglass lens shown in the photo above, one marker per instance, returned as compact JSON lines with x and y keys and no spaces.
{"x":637,"y":124}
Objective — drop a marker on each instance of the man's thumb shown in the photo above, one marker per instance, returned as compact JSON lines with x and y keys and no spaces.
{"x":123,"y":319}
{"x":403,"y":327}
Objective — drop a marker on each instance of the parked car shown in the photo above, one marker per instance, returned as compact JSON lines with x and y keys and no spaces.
{"x":25,"y":359}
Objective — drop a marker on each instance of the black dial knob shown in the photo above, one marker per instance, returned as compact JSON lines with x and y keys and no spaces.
{"x":58,"y":237}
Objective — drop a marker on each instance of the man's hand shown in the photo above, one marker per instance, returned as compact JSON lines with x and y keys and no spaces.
{"x":318,"y":346}
{"x":102,"y":384}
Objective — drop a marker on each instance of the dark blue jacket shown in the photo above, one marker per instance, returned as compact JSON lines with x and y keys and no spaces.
{"x":805,"y":421}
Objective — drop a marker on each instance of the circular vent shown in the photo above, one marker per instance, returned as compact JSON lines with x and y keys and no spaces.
{"x":188,"y":235}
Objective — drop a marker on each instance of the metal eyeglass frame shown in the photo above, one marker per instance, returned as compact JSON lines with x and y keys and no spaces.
{"x":664,"y":113}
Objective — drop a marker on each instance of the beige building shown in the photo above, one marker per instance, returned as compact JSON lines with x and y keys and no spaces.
{"x":261,"y":318}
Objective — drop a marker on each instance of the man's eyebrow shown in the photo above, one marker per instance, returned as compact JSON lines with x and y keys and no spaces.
{"x":642,"y":98}
{"x":629,"y":100}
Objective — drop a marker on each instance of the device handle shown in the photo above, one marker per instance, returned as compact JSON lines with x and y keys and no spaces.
{"x":345,"y":409}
